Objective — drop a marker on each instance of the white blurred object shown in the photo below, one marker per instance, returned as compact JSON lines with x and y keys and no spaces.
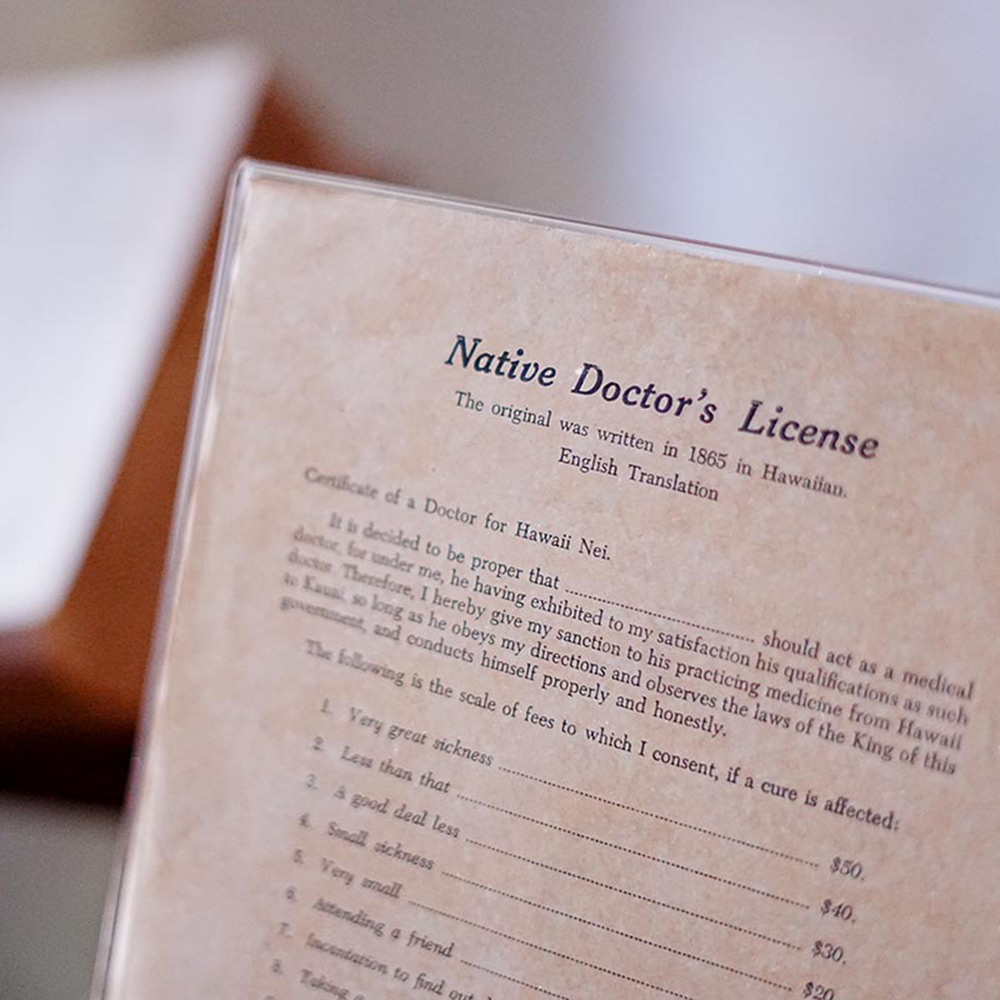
{"x":109,"y":185}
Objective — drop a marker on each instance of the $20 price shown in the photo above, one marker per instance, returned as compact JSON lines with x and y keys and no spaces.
{"x":818,"y":992}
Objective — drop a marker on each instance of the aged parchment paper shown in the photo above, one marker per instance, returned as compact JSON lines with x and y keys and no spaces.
{"x":482,"y":687}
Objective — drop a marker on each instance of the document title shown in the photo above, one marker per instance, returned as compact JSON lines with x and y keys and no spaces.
{"x":591,"y":380}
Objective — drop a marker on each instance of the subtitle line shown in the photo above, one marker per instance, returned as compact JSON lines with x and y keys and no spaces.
{"x":659,"y":816}
{"x":635,"y":853}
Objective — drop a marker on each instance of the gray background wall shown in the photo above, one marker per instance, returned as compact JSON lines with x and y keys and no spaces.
{"x":864,"y":134}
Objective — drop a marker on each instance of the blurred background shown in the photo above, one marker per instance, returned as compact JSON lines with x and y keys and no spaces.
{"x":860,"y":134}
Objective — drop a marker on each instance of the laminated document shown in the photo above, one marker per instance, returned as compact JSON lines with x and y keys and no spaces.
{"x":566,"y":613}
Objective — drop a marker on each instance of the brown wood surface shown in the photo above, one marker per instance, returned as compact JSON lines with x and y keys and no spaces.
{"x":70,"y":691}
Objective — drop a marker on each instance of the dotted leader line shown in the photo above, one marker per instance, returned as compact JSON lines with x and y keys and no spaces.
{"x":625,"y":934}
{"x":638,"y":854}
{"x":634,"y":895}
{"x":657,"y":614}
{"x":659,"y":816}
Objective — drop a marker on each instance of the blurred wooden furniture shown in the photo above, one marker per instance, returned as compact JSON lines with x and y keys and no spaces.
{"x":70,"y":694}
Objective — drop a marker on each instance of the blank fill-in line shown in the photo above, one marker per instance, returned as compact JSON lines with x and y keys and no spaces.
{"x":511,"y":979}
{"x":634,"y":895}
{"x":635,"y":853}
{"x":657,"y":614}
{"x":664,"y":819}
{"x":625,"y":934}
{"x":550,"y":951}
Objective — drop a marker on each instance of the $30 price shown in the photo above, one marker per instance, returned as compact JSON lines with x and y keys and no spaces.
{"x":828,"y":950}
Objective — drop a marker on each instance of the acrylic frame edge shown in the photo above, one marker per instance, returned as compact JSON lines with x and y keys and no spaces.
{"x":717,"y":251}
{"x":198,"y":419}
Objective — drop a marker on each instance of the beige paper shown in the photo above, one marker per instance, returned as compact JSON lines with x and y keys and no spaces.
{"x":475,"y":687}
